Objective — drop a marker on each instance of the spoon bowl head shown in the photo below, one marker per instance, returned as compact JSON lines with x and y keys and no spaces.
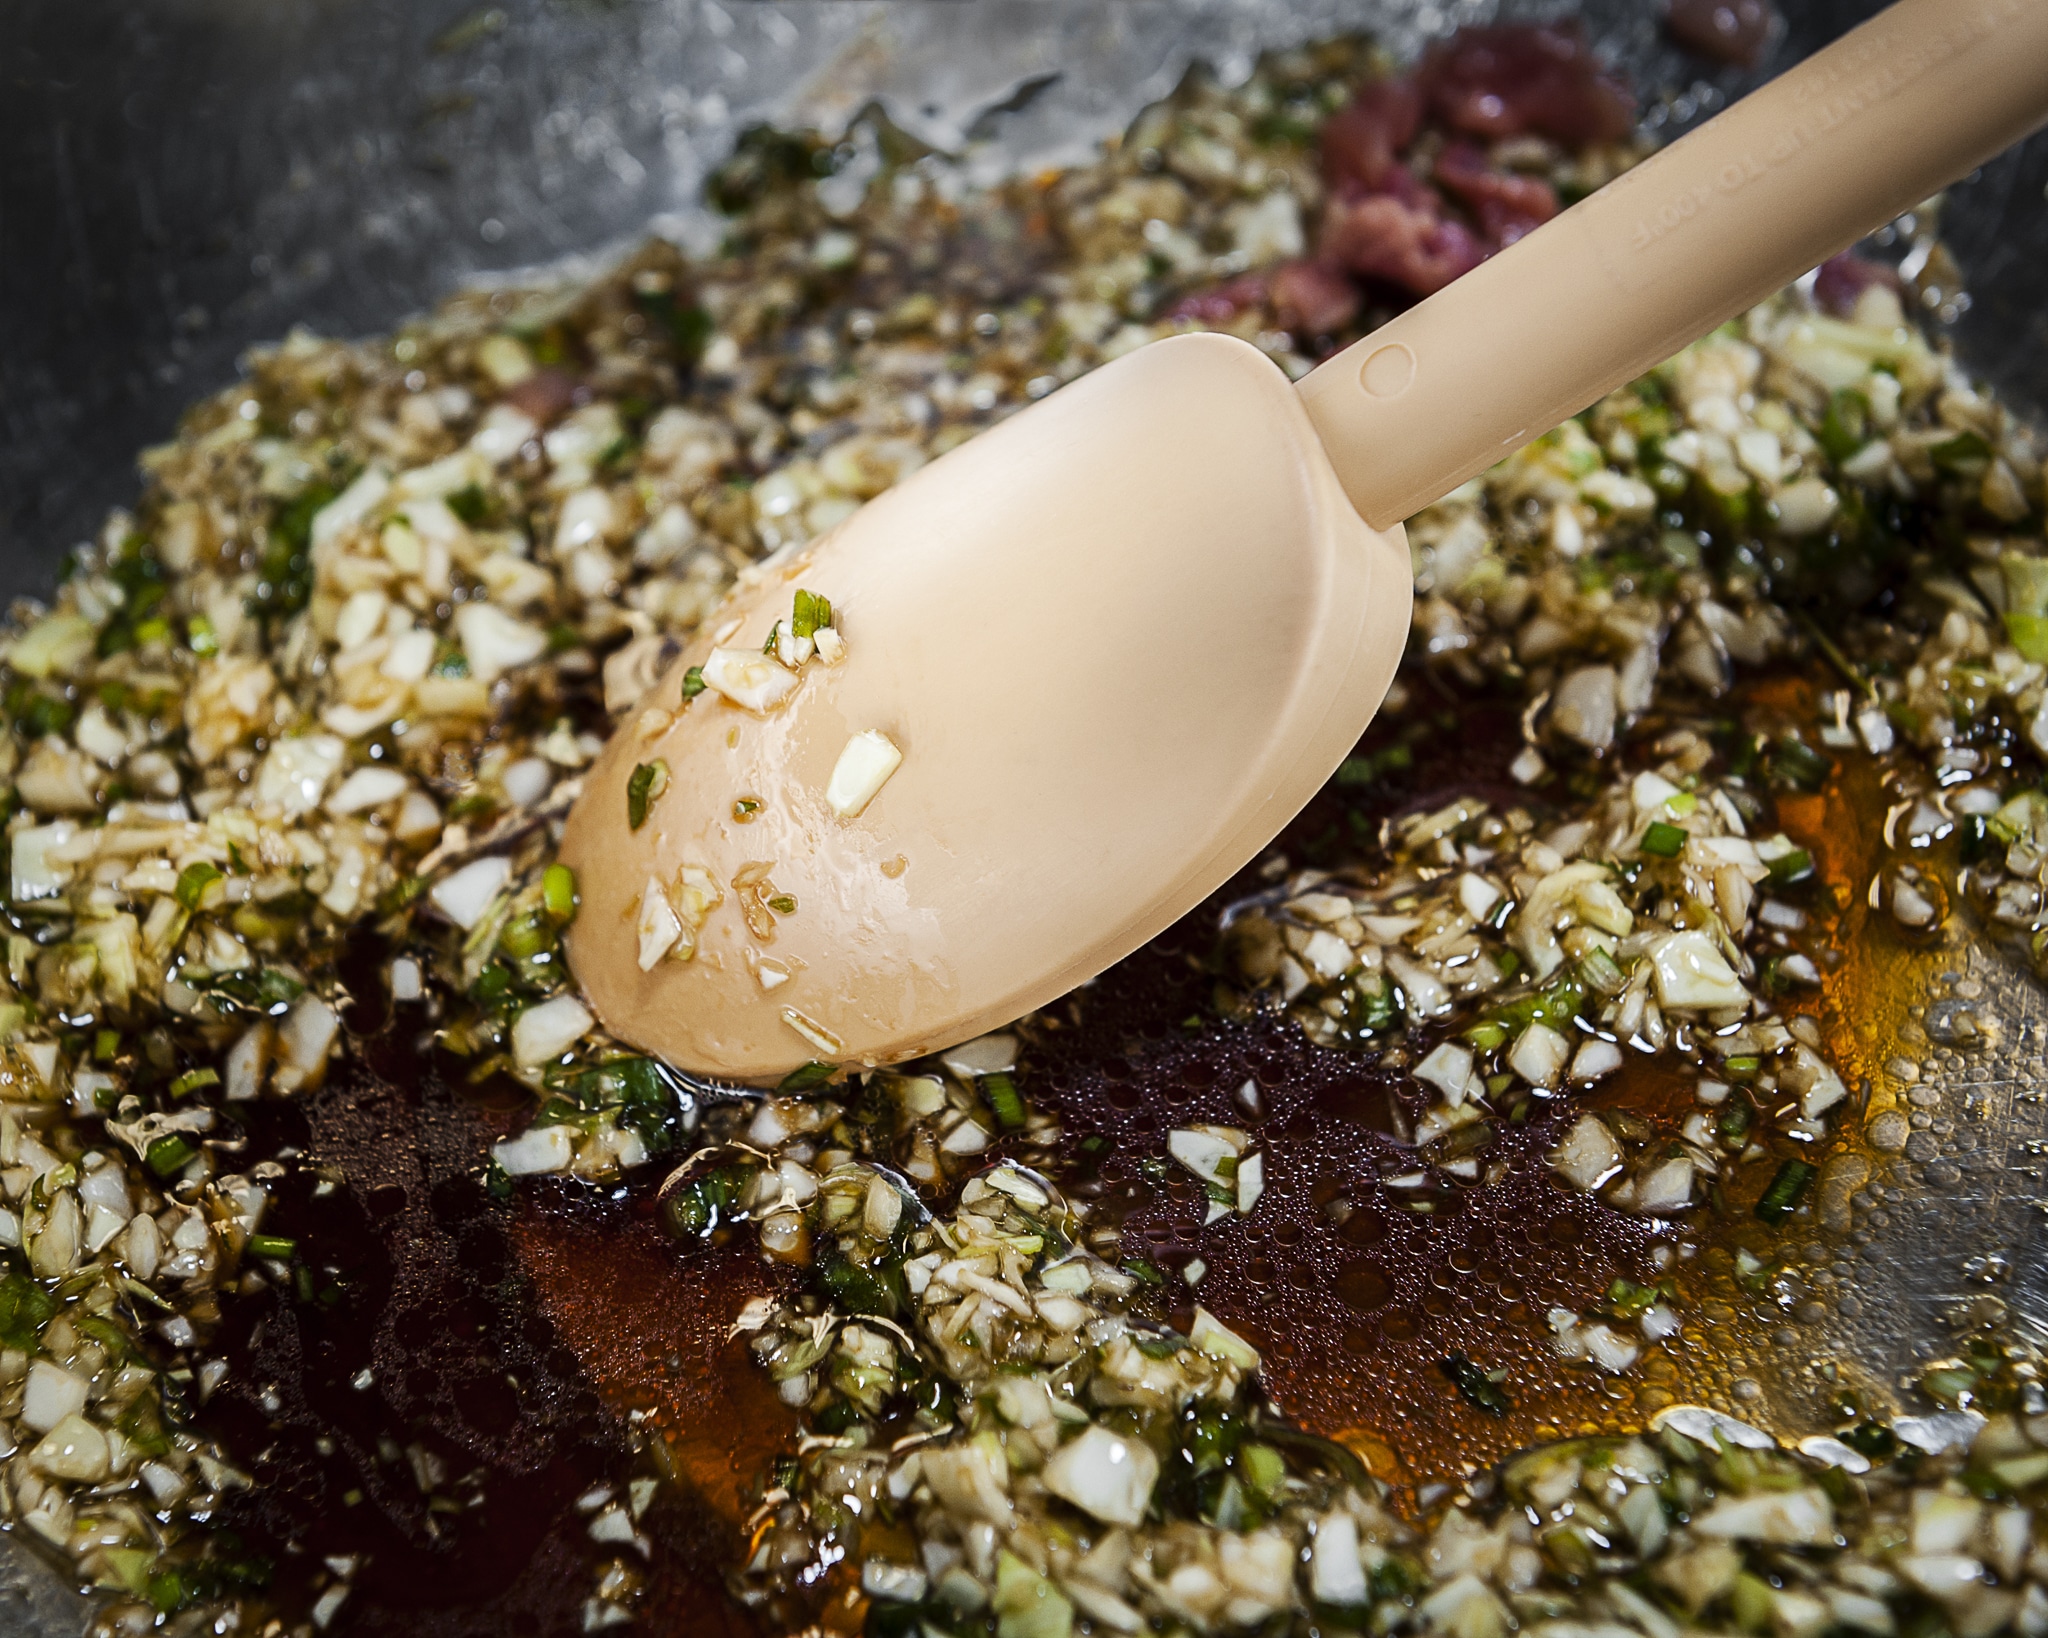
{"x":1118,"y":640}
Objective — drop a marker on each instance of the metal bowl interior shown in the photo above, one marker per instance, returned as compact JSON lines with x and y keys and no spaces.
{"x":188,"y":179}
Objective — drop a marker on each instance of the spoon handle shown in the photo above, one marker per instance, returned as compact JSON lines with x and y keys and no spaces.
{"x":1856,"y":134}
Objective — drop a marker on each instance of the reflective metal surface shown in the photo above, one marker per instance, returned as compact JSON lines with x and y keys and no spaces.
{"x":187,"y":178}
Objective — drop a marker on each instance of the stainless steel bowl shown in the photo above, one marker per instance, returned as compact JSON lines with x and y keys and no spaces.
{"x":188,"y":178}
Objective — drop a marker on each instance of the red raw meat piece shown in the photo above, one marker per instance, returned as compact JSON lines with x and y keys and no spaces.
{"x":1383,"y":237}
{"x":1842,"y":280}
{"x":1223,"y":304}
{"x":1313,"y":298}
{"x":1508,"y":206}
{"x":546,"y":395}
{"x":1515,"y":79}
{"x":1723,"y":31}
{"x":1362,"y":140}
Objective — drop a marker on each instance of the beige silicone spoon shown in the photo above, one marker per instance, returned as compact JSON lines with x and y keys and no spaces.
{"x":1121,"y":639}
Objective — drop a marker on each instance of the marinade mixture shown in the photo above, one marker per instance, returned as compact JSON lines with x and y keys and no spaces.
{"x":1401,"y":1243}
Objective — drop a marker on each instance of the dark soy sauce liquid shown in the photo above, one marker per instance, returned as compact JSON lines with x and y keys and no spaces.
{"x":517,"y":1342}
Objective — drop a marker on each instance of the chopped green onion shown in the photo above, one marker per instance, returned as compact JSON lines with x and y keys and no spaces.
{"x":1791,"y":867}
{"x":1785,"y":1189}
{"x":1474,"y":1385}
{"x":812,"y":612}
{"x":1741,"y":1068}
{"x":401,"y":895}
{"x":808,"y":1078}
{"x":470,"y":504}
{"x":25,"y":1308}
{"x":1628,"y":1300}
{"x":106,"y":1046}
{"x":1363,"y":772}
{"x":1681,"y":804}
{"x":1602,"y":973}
{"x":1004,"y":1100}
{"x":693,"y":682}
{"x":558,"y":892}
{"x":783,"y":904}
{"x":744,"y":809}
{"x":1965,"y":454}
{"x":1846,"y":424}
{"x":193,"y":881}
{"x":1663,"y":841}
{"x":774,"y":633}
{"x":201,"y":637}
{"x":1799,"y":765}
{"x":271,"y":1245}
{"x":644,"y":789}
{"x":863,"y":1289}
{"x":1264,"y":1469}
{"x":166,"y":1592}
{"x":169,"y":1155}
{"x":193,"y":1079}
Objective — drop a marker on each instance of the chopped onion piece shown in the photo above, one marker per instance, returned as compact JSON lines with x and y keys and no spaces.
{"x":295,"y":773}
{"x":659,"y":926}
{"x":1665,"y":1189}
{"x":503,"y":433}
{"x":36,"y":873}
{"x":863,"y":769}
{"x":1218,"y":1341}
{"x":367,"y":788}
{"x":971,"y":1479}
{"x":543,"y":1033}
{"x":1539,"y":1055}
{"x":53,"y":1394}
{"x":74,"y":1449}
{"x":494,"y":642}
{"x":247,"y":1061}
{"x":1786,"y":1518}
{"x":1587,"y":1155}
{"x":984,"y":1055}
{"x":348,"y":508}
{"x":1336,"y":1572}
{"x":1107,"y":1476}
{"x":464,"y":896}
{"x":1449,"y":1069}
{"x":1477,"y":895}
{"x":537,"y":1149}
{"x":1251,"y":1182}
{"x":1596,"y":1060}
{"x":749,"y":679}
{"x":305,"y":1037}
{"x":526,"y":781}
{"x":1206,"y":1150}
{"x":1328,"y":954}
{"x":1690,"y":972}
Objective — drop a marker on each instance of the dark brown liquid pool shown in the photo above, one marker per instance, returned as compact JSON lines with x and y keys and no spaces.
{"x":460,"y":1371}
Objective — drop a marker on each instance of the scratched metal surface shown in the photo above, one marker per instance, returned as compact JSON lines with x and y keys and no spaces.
{"x":187,"y":178}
